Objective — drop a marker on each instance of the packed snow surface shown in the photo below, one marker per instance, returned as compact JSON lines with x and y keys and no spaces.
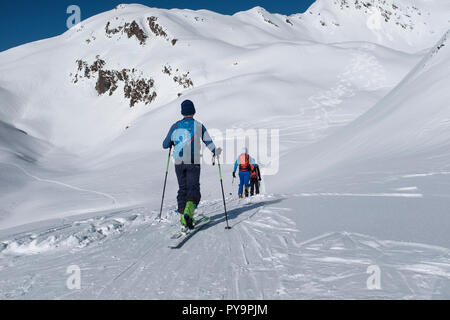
{"x":357,"y":91}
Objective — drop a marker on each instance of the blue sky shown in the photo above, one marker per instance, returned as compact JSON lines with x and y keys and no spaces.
{"x":25,"y":21}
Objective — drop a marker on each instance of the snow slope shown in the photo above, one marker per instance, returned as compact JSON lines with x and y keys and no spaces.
{"x":362,"y":110}
{"x":410,"y":123}
{"x":100,"y":143}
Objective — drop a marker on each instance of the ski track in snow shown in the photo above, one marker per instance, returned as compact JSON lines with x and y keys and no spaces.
{"x":383,"y":194}
{"x":428,"y":174}
{"x":324,"y":111}
{"x":124,"y":255}
{"x":106,"y":195}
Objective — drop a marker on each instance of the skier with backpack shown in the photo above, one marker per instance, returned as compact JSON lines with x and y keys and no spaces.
{"x":246,"y":165}
{"x":255,"y":178}
{"x":186,"y":136}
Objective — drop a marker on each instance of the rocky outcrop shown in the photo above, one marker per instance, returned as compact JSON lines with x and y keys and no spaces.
{"x":158,"y":30}
{"x":178,"y":77}
{"x":136,"y":88}
{"x":184,"y":81}
{"x":390,"y":12}
{"x":130,"y":29}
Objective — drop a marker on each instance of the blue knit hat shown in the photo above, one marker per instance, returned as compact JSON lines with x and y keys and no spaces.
{"x":187,"y":108}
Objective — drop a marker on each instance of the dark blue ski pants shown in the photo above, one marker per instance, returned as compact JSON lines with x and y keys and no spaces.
{"x":188,"y":176}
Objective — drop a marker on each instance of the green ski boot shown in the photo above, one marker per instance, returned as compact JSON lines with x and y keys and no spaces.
{"x":187,"y":219}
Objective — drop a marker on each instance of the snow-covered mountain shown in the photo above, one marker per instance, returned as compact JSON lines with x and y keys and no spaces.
{"x":357,"y":90}
{"x":404,"y":25}
{"x":136,"y":56}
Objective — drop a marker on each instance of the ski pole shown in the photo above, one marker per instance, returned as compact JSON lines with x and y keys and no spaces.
{"x":165,"y":181}
{"x":232,"y":185}
{"x":223,"y":194}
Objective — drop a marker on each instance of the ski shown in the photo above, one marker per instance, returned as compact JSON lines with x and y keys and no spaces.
{"x":181,"y":237}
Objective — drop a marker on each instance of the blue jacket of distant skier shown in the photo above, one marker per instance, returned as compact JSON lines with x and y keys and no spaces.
{"x":186,"y":136}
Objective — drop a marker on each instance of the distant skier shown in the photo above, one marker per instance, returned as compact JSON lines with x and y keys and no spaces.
{"x":255,"y":178}
{"x":186,"y":136}
{"x":246,"y":165}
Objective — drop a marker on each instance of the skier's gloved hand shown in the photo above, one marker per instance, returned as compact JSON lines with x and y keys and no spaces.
{"x":234,"y":174}
{"x":218,"y":152}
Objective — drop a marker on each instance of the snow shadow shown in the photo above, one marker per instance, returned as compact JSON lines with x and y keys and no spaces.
{"x":236,"y":212}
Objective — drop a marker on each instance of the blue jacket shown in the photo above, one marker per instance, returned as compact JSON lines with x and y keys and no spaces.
{"x":186,"y":136}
